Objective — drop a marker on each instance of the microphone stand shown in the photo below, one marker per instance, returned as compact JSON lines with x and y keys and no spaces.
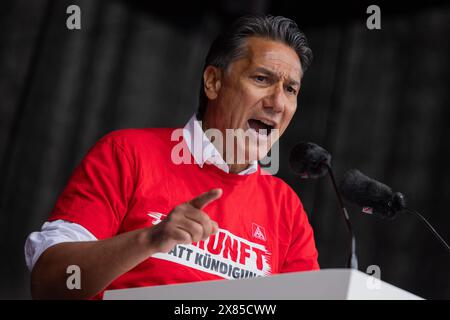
{"x":352,"y":261}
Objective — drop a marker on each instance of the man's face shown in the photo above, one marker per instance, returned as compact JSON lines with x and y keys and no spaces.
{"x":257,"y":91}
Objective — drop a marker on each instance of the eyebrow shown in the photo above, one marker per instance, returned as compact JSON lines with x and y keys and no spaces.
{"x":273,"y":74}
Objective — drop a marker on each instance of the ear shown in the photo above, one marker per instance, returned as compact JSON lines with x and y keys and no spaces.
{"x":212,"y":79}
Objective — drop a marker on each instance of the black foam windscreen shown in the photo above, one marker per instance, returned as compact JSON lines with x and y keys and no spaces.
{"x":366,"y":192}
{"x":308,"y":160}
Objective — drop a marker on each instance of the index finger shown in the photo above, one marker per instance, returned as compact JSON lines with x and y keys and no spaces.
{"x":205,"y":198}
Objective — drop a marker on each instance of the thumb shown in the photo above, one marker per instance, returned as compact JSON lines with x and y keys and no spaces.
{"x":205,"y":198}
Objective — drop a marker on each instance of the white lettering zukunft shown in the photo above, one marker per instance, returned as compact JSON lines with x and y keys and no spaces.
{"x":223,"y":254}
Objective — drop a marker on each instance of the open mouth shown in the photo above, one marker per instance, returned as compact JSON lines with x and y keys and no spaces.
{"x":261,"y":126}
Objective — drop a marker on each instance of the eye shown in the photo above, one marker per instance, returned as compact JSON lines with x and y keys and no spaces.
{"x":291,"y":90}
{"x":260,"y":78}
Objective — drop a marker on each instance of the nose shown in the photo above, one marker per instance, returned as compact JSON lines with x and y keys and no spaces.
{"x":276,"y":99}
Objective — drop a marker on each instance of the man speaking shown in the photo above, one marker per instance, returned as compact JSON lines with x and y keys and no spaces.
{"x":160,"y":206}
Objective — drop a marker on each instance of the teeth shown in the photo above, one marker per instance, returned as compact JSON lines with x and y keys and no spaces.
{"x":266,"y":122}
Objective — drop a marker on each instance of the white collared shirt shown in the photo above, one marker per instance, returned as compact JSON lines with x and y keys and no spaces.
{"x":204,"y":151}
{"x":59,"y":231}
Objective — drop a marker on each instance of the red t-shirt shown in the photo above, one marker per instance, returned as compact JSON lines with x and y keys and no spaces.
{"x":128,"y":181}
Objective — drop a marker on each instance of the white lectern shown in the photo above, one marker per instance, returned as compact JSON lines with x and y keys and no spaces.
{"x":328,"y":284}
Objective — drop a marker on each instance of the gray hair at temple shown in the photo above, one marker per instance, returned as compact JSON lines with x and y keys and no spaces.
{"x":230,"y":44}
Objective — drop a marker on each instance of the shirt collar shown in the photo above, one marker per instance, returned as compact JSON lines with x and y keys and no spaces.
{"x":204,"y":151}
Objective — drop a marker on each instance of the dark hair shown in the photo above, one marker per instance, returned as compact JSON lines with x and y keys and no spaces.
{"x":229,"y":45}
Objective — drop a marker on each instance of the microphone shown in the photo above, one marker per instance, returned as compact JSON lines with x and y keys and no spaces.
{"x":377,"y":198}
{"x":310,"y":161}
{"x":372,"y":195}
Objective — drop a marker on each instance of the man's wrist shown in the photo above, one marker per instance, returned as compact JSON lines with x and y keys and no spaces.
{"x":145,"y":241}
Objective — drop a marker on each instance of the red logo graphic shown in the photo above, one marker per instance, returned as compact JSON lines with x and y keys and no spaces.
{"x":258,"y":232}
